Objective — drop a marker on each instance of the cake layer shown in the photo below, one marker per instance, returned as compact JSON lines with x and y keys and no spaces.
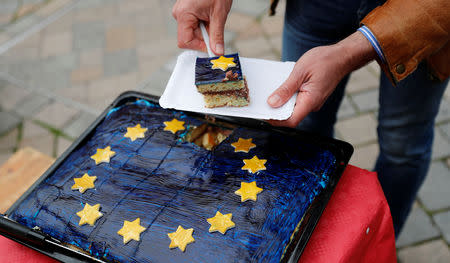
{"x":232,"y":98}
{"x":221,"y":86}
{"x":167,"y":182}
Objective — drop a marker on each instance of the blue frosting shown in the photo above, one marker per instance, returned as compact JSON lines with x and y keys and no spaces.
{"x":204,"y":73}
{"x":167,"y":182}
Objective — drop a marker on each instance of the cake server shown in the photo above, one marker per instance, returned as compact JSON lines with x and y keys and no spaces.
{"x":206,"y":39}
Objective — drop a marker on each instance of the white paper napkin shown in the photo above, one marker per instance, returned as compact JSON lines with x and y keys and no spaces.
{"x":263,"y":77}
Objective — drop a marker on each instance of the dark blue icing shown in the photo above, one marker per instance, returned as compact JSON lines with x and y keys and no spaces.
{"x":167,"y":182}
{"x":204,"y":73}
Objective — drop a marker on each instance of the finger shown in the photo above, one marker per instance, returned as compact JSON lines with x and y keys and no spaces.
{"x":216,"y":29}
{"x":303,"y":106}
{"x":281,"y":95}
{"x":188,"y":33}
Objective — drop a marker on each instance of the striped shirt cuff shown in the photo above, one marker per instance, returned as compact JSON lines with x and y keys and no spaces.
{"x":373,"y":41}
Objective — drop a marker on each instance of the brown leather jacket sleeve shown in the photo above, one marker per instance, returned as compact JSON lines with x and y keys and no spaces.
{"x":410,"y":31}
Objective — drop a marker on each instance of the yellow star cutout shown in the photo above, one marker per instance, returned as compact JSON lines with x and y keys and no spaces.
{"x":248,"y":191}
{"x":135,"y":132}
{"x":223,"y":63}
{"x":181,"y":238}
{"x":254,"y":165}
{"x":174,"y":125}
{"x":243,"y":145}
{"x":103,"y":155}
{"x":131,"y":230}
{"x":83,"y":183}
{"x":220,"y":222}
{"x":89,"y":214}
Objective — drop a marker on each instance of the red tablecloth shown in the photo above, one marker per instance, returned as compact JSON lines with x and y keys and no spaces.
{"x":356,"y":226}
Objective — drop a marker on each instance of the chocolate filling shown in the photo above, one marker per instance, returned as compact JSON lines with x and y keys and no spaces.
{"x":238,"y":93}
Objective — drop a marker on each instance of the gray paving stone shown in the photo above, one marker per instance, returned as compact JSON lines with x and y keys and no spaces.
{"x":59,"y":63}
{"x":92,"y":3}
{"x":362,"y":79}
{"x":8,"y":121}
{"x":79,"y":125}
{"x":229,"y":37}
{"x":251,"y":7}
{"x":418,"y":227}
{"x":157,"y":82}
{"x":8,"y":6}
{"x":430,"y":252}
{"x":444,"y":111}
{"x":253,"y":47}
{"x":170,"y":65}
{"x":22,"y":24}
{"x":443,"y":222}
{"x":31,"y":130}
{"x":276,"y":42}
{"x":56,"y":114}
{"x":358,"y":130}
{"x":171,"y":26}
{"x":120,"y":62}
{"x":53,"y":81}
{"x":61,"y":145}
{"x":374,"y":68}
{"x":8,"y":141}
{"x":54,"y":72}
{"x":31,"y":104}
{"x":366,"y":101}
{"x":38,"y":138}
{"x":26,"y":71}
{"x":445,"y":128}
{"x":447,"y":92}
{"x":4,"y":156}
{"x":434,"y":191}
{"x":10,"y":95}
{"x":441,"y":146}
{"x":346,"y":109}
{"x":365,"y":156}
{"x":88,"y":35}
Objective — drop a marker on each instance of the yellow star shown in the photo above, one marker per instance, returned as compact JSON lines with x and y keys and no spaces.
{"x":89,"y":214}
{"x":174,"y":125}
{"x":103,"y":155}
{"x":181,"y":238}
{"x":131,"y":230}
{"x":135,"y":132}
{"x":223,"y":63}
{"x":220,"y":222}
{"x":83,"y":183}
{"x":248,"y":191}
{"x":243,"y":145}
{"x":254,"y":165}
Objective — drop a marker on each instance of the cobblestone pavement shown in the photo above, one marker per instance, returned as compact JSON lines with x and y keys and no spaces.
{"x":62,"y":62}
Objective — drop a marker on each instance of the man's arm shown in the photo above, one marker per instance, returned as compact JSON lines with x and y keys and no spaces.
{"x":409,"y":31}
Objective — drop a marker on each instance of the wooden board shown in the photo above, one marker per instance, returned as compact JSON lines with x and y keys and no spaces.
{"x":19,"y":173}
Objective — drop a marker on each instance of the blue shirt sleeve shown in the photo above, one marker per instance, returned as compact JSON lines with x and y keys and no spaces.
{"x":373,"y":41}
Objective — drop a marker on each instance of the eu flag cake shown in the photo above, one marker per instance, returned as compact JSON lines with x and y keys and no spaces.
{"x":142,"y":187}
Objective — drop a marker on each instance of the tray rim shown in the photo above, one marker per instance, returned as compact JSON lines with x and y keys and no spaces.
{"x":342,"y":151}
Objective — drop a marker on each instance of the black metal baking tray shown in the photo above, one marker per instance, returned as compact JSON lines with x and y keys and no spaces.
{"x":36,"y":240}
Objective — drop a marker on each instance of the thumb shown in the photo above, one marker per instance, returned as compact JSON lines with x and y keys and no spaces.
{"x":281,"y":95}
{"x":216,"y":29}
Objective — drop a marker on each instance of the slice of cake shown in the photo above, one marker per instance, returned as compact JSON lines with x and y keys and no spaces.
{"x":221,"y":82}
